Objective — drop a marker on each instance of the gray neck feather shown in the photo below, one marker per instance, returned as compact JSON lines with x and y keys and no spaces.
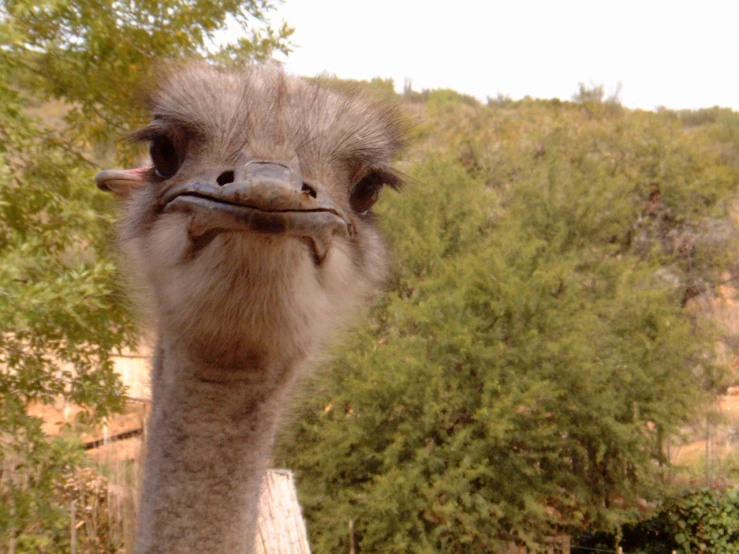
{"x":208,"y":442}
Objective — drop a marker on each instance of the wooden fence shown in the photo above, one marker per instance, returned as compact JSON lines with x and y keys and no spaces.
{"x":280,"y":527}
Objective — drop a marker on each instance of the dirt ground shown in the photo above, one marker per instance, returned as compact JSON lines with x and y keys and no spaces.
{"x":723,"y":448}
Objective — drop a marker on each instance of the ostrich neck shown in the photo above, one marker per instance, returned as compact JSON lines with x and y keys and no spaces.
{"x":208,"y":441}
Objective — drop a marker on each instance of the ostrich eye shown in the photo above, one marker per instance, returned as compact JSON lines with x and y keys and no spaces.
{"x":164,"y":155}
{"x":365,"y":193}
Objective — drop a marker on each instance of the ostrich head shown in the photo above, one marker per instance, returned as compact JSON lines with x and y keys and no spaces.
{"x":253,"y":225}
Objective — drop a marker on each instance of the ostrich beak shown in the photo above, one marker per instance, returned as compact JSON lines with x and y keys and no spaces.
{"x":261,"y":197}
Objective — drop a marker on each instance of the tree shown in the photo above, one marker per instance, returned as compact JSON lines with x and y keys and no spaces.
{"x":62,"y":304}
{"x":537,"y":343}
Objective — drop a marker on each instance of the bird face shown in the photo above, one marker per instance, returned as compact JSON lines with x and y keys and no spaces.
{"x":266,"y":154}
{"x":257,"y":205}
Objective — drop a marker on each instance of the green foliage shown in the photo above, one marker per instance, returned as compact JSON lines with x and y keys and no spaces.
{"x":42,"y":478}
{"x":31,"y":517}
{"x":447,"y":99}
{"x":595,"y":94}
{"x":379,"y":88}
{"x":702,"y":520}
{"x":62,"y":304}
{"x":537,"y":343}
{"x":93,"y":55}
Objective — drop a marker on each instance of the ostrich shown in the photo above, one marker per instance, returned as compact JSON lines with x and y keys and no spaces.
{"x":253,"y":231}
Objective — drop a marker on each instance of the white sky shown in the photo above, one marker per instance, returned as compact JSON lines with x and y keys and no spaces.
{"x":679,"y":54}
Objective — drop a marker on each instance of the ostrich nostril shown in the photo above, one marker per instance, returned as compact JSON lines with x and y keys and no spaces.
{"x":309,"y":190}
{"x":225,"y":178}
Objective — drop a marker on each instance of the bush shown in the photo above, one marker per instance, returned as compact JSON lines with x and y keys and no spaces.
{"x":702,"y":520}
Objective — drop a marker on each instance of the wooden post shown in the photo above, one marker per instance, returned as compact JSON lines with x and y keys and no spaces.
{"x":73,"y":526}
{"x":351,"y":536}
{"x":708,"y":454}
{"x":12,"y":531}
